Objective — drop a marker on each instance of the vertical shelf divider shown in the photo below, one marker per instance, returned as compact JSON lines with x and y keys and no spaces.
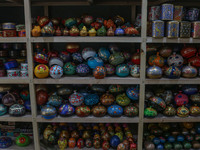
{"x":142,"y":73}
{"x":28,"y":24}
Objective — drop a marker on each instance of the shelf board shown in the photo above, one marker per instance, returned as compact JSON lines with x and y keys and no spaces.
{"x":90,"y":119}
{"x":166,"y":40}
{"x":173,"y":81}
{"x":88,"y":39}
{"x":14,"y":80}
{"x":15,"y":147}
{"x":87,"y":80}
{"x":25,"y":118}
{"x":13,"y":40}
{"x":160,"y":118}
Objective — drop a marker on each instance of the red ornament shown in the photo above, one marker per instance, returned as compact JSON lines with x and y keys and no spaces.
{"x":96,"y":25}
{"x":195,"y":61}
{"x":41,"y":97}
{"x":80,"y":143}
{"x":133,"y":146}
{"x":52,"y":54}
{"x":136,"y":58}
{"x":188,"y":52}
{"x":105,"y":145}
{"x":181,"y":99}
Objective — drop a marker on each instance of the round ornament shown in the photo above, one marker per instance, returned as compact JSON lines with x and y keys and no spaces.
{"x":114,"y":141}
{"x":76,"y":99}
{"x":25,"y":94}
{"x":154,"y":72}
{"x":69,"y":68}
{"x":131,"y":111}
{"x":115,"y":110}
{"x":48,"y":112}
{"x":8,"y":99}
{"x":189,"y":71}
{"x":150,"y":112}
{"x":156,"y":60}
{"x":22,"y":140}
{"x":66,"y":110}
{"x":88,"y":52}
{"x":5,"y":142}
{"x":169,"y":111}
{"x":183,"y":111}
{"x":116,"y":58}
{"x":77,"y":58}
{"x":93,"y":62}
{"x":133,"y":93}
{"x":104,"y":54}
{"x":82,"y":111}
{"x":99,"y":111}
{"x":107,"y":99}
{"x":135,"y":71}
{"x":99,"y":72}
{"x":173,"y":72}
{"x":3,"y":109}
{"x":136,"y":58}
{"x":188,"y":51}
{"x":41,"y":97}
{"x":158,"y":103}
{"x":175,"y":59}
{"x":195,"y":110}
{"x":122,"y":70}
{"x":54,"y":100}
{"x":56,"y":72}
{"x":91,"y":99}
{"x":62,"y":143}
{"x":55,"y":61}
{"x":82,"y":70}
{"x":165,"y":52}
{"x":110,"y":69}
{"x":122,"y":100}
{"x":72,"y":142}
{"x":181,"y":99}
{"x":17,"y":110}
{"x":41,"y":71}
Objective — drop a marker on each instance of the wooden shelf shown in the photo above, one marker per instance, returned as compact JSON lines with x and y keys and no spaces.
{"x":87,"y":80}
{"x":14,"y":80}
{"x":166,"y":40}
{"x":13,"y":39}
{"x":160,"y":118}
{"x":90,"y":119}
{"x":25,"y":118}
{"x":88,"y":39}
{"x":173,"y":81}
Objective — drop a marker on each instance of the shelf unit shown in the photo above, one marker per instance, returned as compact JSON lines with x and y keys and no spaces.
{"x":142,"y":81}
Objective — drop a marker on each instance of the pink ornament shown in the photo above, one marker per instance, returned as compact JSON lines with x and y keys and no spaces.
{"x":181,"y":99}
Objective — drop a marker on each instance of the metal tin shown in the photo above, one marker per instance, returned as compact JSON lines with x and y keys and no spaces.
{"x":13,"y":73}
{"x":154,"y":13}
{"x":195,"y":29}
{"x":22,"y":33}
{"x":10,"y":64}
{"x":9,"y":33}
{"x":158,"y":29}
{"x":167,"y":12}
{"x":8,"y":26}
{"x":2,"y":72}
{"x":178,"y":13}
{"x":20,"y":27}
{"x":24,"y":66}
{"x":185,"y":28}
{"x":24,"y":73}
{"x":173,"y":29}
{"x":192,"y":14}
{"x":23,"y":53}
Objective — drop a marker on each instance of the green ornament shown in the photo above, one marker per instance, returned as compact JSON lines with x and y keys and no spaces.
{"x":101,"y":31}
{"x":70,"y":22}
{"x":120,"y":135}
{"x":52,"y":140}
{"x":80,"y":26}
{"x":178,"y":145}
{"x":22,"y":140}
{"x":116,"y":58}
{"x":187,"y":145}
{"x":168,"y":145}
{"x":69,"y":68}
{"x":122,"y":100}
{"x":150,"y":112}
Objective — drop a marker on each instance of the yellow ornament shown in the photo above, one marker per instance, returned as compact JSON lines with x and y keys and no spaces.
{"x":83,"y":31}
{"x":92,"y":32}
{"x":47,"y":132}
{"x":41,"y":71}
{"x":62,"y":143}
{"x":36,"y":31}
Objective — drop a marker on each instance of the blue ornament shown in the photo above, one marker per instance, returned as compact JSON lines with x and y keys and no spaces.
{"x":115,"y":110}
{"x":180,"y":138}
{"x":156,"y":140}
{"x":66,"y":110}
{"x":133,"y":93}
{"x":122,"y":70}
{"x":77,"y":58}
{"x":119,"y":31}
{"x":114,"y":141}
{"x":190,"y":89}
{"x":93,"y":62}
{"x":48,"y":112}
{"x":91,"y":99}
{"x":82,"y":70}
{"x":27,"y":105}
{"x":160,"y":146}
{"x":5,"y":142}
{"x":3,"y":109}
{"x":162,"y":140}
{"x":104,"y":54}
{"x":171,"y":139}
{"x":55,"y":100}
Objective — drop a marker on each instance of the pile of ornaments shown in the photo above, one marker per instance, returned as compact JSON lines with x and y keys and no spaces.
{"x":105,"y":61}
{"x":22,"y":141}
{"x":183,"y":101}
{"x":105,"y":136}
{"x":174,"y":62}
{"x":87,"y":100}
{"x":13,"y":60}
{"x":172,"y":136}
{"x":15,"y":100}
{"x":84,"y":26}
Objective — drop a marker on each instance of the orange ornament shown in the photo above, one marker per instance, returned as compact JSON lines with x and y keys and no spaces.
{"x":72,"y":142}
